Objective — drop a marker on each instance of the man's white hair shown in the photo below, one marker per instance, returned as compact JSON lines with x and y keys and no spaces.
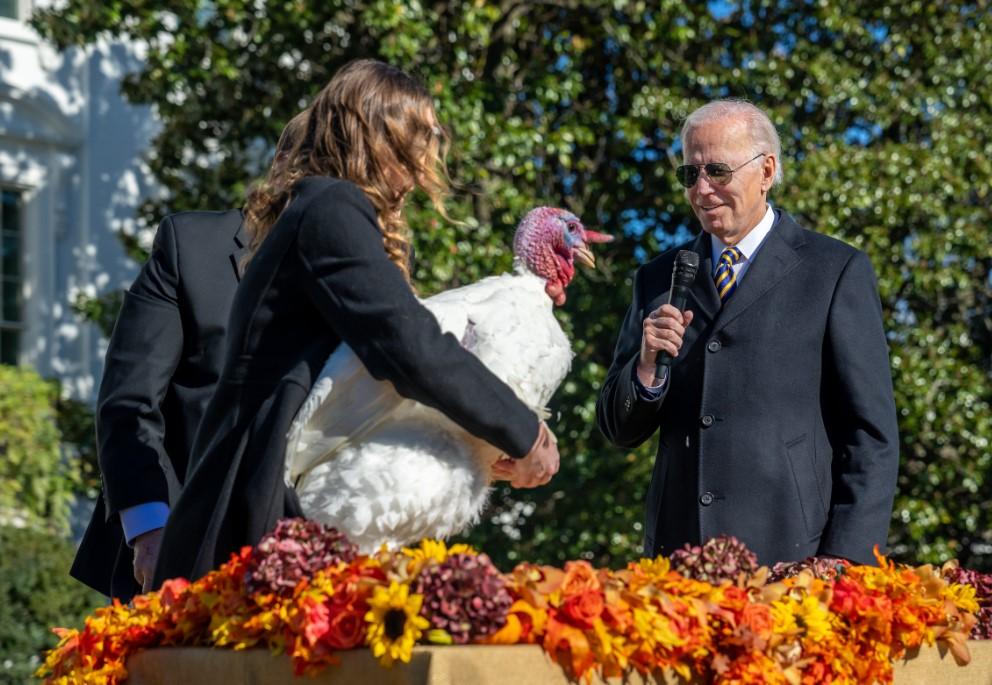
{"x":761,"y":130}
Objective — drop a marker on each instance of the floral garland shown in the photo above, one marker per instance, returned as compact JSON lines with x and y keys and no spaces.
{"x":707,"y":612}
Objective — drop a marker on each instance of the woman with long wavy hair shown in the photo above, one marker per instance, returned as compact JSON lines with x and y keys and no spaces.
{"x":328,"y":263}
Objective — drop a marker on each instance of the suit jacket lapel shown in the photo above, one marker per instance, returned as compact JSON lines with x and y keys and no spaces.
{"x":240,"y":249}
{"x":706,"y":298}
{"x":776,"y":258}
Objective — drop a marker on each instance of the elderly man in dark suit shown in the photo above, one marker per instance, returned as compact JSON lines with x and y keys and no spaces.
{"x":777,"y":420}
{"x":163,"y":361}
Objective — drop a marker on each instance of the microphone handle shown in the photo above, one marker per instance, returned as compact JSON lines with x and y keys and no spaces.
{"x":679,"y":298}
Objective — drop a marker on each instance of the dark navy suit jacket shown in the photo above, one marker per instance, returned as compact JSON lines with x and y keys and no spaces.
{"x":163,"y":361}
{"x":779,"y":424}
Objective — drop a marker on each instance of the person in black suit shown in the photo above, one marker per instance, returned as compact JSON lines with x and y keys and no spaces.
{"x":163,"y":360}
{"x":329,"y":265}
{"x":777,"y":420}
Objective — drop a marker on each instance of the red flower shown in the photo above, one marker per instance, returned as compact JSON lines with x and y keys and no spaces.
{"x":853,"y":602}
{"x":141,"y":636}
{"x":582,"y":610}
{"x":173,"y":592}
{"x":346,"y":628}
{"x":317,"y":617}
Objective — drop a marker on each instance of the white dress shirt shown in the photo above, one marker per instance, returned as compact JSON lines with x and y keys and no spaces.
{"x":749,"y":246}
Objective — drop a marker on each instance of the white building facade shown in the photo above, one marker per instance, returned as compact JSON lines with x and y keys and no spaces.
{"x":71,"y":178}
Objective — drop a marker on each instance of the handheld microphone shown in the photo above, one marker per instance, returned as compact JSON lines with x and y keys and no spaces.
{"x":686,"y":266}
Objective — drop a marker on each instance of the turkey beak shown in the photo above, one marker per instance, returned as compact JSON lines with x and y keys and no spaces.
{"x":584,"y":256}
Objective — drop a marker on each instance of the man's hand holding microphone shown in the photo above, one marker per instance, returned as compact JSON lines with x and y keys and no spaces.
{"x":664,"y":328}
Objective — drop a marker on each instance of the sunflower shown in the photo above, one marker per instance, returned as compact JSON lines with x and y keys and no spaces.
{"x":395,"y":623}
{"x":432,"y":550}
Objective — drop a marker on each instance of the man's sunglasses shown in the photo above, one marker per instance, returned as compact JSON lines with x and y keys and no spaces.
{"x":717,"y":172}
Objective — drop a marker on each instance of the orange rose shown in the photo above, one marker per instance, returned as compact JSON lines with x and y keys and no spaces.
{"x":758,"y":619}
{"x":580,"y":577}
{"x":582,"y":610}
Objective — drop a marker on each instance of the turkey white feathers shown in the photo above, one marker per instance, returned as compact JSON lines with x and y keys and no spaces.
{"x":387,"y":470}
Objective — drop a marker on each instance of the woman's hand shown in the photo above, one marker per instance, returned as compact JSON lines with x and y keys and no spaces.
{"x":535,"y":469}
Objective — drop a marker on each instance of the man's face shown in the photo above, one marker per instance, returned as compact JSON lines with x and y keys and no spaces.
{"x":729,"y":211}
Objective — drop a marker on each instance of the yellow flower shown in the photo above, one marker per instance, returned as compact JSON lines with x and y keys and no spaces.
{"x":429,"y":551}
{"x":963,"y":597}
{"x":435,"y":550}
{"x":612,"y":647}
{"x":815,"y":617}
{"x":656,"y":569}
{"x":784,"y":617}
{"x":807,"y":616}
{"x":655,"y":629}
{"x":395,"y":623}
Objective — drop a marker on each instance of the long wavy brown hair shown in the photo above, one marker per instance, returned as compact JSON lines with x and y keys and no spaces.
{"x":373,"y":125}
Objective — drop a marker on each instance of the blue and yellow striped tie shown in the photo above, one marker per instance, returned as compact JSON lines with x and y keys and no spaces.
{"x":726,"y":281}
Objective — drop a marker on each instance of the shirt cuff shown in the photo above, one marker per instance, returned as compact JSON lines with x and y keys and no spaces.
{"x":142,"y":518}
{"x":649,"y":394}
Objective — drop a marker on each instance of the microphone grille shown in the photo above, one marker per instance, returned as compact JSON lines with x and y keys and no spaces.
{"x":687,"y":261}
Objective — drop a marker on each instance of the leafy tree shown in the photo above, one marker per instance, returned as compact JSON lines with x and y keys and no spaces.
{"x":36,"y":483}
{"x":885,"y":115}
{"x":36,"y":593}
{"x":77,"y":437}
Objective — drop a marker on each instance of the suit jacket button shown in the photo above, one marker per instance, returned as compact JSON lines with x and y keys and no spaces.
{"x":706,"y":420}
{"x":626,"y":404}
{"x":714,"y":346}
{"x":706,"y":499}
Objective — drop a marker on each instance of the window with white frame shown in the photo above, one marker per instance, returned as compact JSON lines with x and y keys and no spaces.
{"x":11,"y":319}
{"x":9,"y":9}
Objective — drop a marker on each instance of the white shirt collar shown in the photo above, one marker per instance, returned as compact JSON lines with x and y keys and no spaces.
{"x":749,"y":245}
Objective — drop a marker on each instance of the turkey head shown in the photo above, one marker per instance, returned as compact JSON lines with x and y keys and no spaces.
{"x":549,"y":241}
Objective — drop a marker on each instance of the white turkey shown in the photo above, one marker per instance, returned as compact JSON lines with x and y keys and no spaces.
{"x":386,"y":470}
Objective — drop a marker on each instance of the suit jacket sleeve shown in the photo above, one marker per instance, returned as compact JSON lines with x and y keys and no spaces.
{"x":143,"y":353}
{"x":365,"y":298}
{"x":625,"y":416}
{"x":862,"y":422}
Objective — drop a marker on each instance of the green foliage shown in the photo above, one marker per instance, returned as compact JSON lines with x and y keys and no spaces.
{"x":102,"y":310}
{"x":77,"y":431}
{"x":36,"y":483}
{"x":886,"y":115}
{"x":36,"y":593}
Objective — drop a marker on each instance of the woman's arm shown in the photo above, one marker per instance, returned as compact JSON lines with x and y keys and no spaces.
{"x":365,"y":298}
